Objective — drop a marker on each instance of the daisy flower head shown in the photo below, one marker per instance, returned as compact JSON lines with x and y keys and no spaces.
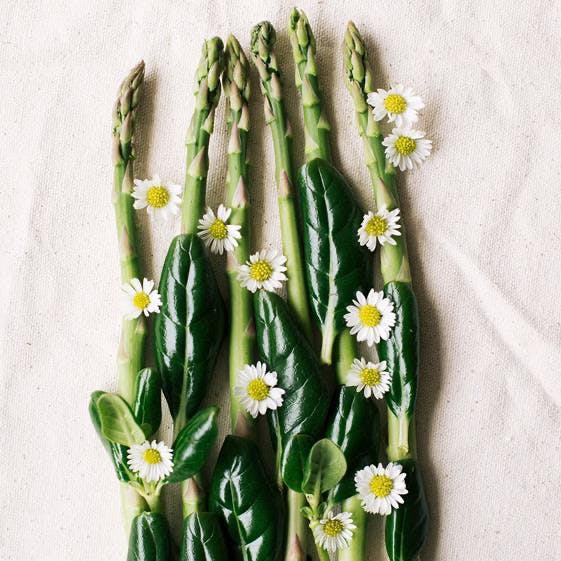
{"x":140,"y":298}
{"x":151,"y":460}
{"x":370,"y":317}
{"x":160,"y":198}
{"x":369,"y":377}
{"x":407,"y":148}
{"x":399,"y":104}
{"x":264,"y":270}
{"x":381,"y":227}
{"x":381,"y":488}
{"x":256,"y":389}
{"x":334,"y":531}
{"x":215,"y":231}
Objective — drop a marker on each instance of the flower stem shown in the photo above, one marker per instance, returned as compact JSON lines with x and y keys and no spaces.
{"x":242,"y":329}
{"x":262,"y":42}
{"x":198,"y":135}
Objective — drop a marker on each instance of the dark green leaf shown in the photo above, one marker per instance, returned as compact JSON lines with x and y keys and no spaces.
{"x":336,"y":264}
{"x":325,"y":467}
{"x":407,"y":526}
{"x":193,"y":444}
{"x":117,"y":421}
{"x":355,"y":427}
{"x":117,"y":452}
{"x":286,"y":351}
{"x":149,"y":539}
{"x":297,"y":450}
{"x":190,"y":326}
{"x":202,"y":539}
{"x":147,"y":406}
{"x":249,"y":503}
{"x":401,"y":350}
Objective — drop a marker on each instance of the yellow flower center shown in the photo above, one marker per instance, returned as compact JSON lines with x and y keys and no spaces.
{"x":333,"y":528}
{"x":405,"y":145}
{"x":376,"y":226}
{"x":257,"y":389}
{"x":370,"y":376}
{"x":260,"y":271}
{"x":395,"y":103}
{"x":157,"y":196}
{"x":141,"y":300}
{"x":218,"y":230}
{"x":152,"y":456}
{"x":369,"y":315}
{"x":381,"y":485}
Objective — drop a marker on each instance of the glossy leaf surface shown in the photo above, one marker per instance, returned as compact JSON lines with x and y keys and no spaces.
{"x":286,"y":351}
{"x":325,"y":467}
{"x":147,"y":406}
{"x":401,"y":350}
{"x":202,"y":538}
{"x":248,"y":502}
{"x":117,"y":421}
{"x":336,"y":264}
{"x":355,"y":427}
{"x":193,"y":445}
{"x":149,"y":538}
{"x":297,"y":450}
{"x":117,"y":452}
{"x":190,"y":326}
{"x":407,"y":527}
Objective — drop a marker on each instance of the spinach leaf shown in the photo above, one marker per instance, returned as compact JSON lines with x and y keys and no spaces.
{"x":149,"y":539}
{"x":147,"y":406}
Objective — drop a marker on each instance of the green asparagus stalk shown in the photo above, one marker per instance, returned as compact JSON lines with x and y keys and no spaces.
{"x":394,"y":259}
{"x":316,"y":126}
{"x":133,"y":332}
{"x":235,"y":80}
{"x":263,"y":38}
{"x":207,"y":93}
{"x":406,"y":527}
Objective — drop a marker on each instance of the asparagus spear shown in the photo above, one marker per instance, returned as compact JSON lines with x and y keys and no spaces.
{"x":406,"y":528}
{"x":263,"y":38}
{"x":316,"y":128}
{"x":133,"y":332}
{"x":235,"y":81}
{"x":207,"y":94}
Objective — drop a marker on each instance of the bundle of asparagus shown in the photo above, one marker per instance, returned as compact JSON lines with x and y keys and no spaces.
{"x":296,"y":360}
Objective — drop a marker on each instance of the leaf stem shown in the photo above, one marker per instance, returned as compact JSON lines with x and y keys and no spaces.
{"x":296,"y":528}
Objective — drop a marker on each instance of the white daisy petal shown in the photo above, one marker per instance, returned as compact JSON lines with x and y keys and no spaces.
{"x":214,"y":230}
{"x":264,"y":270}
{"x":140,"y":298}
{"x":399,"y":104}
{"x":256,"y":389}
{"x":380,"y":488}
{"x":379,"y":227}
{"x":160,"y":198}
{"x":151,"y":460}
{"x":406,"y":148}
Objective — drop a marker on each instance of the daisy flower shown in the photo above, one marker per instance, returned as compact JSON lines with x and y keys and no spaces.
{"x":406,"y":148}
{"x":160,"y":198}
{"x":369,"y":377}
{"x":265,"y":269}
{"x":256,"y":389}
{"x":380,"y":227}
{"x":140,"y":298}
{"x":399,"y":104}
{"x":380,"y":488}
{"x":151,"y":460}
{"x":215,"y":231}
{"x":370,"y":317}
{"x":334,"y":531}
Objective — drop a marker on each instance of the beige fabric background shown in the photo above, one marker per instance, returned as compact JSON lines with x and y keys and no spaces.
{"x":483,"y":214}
